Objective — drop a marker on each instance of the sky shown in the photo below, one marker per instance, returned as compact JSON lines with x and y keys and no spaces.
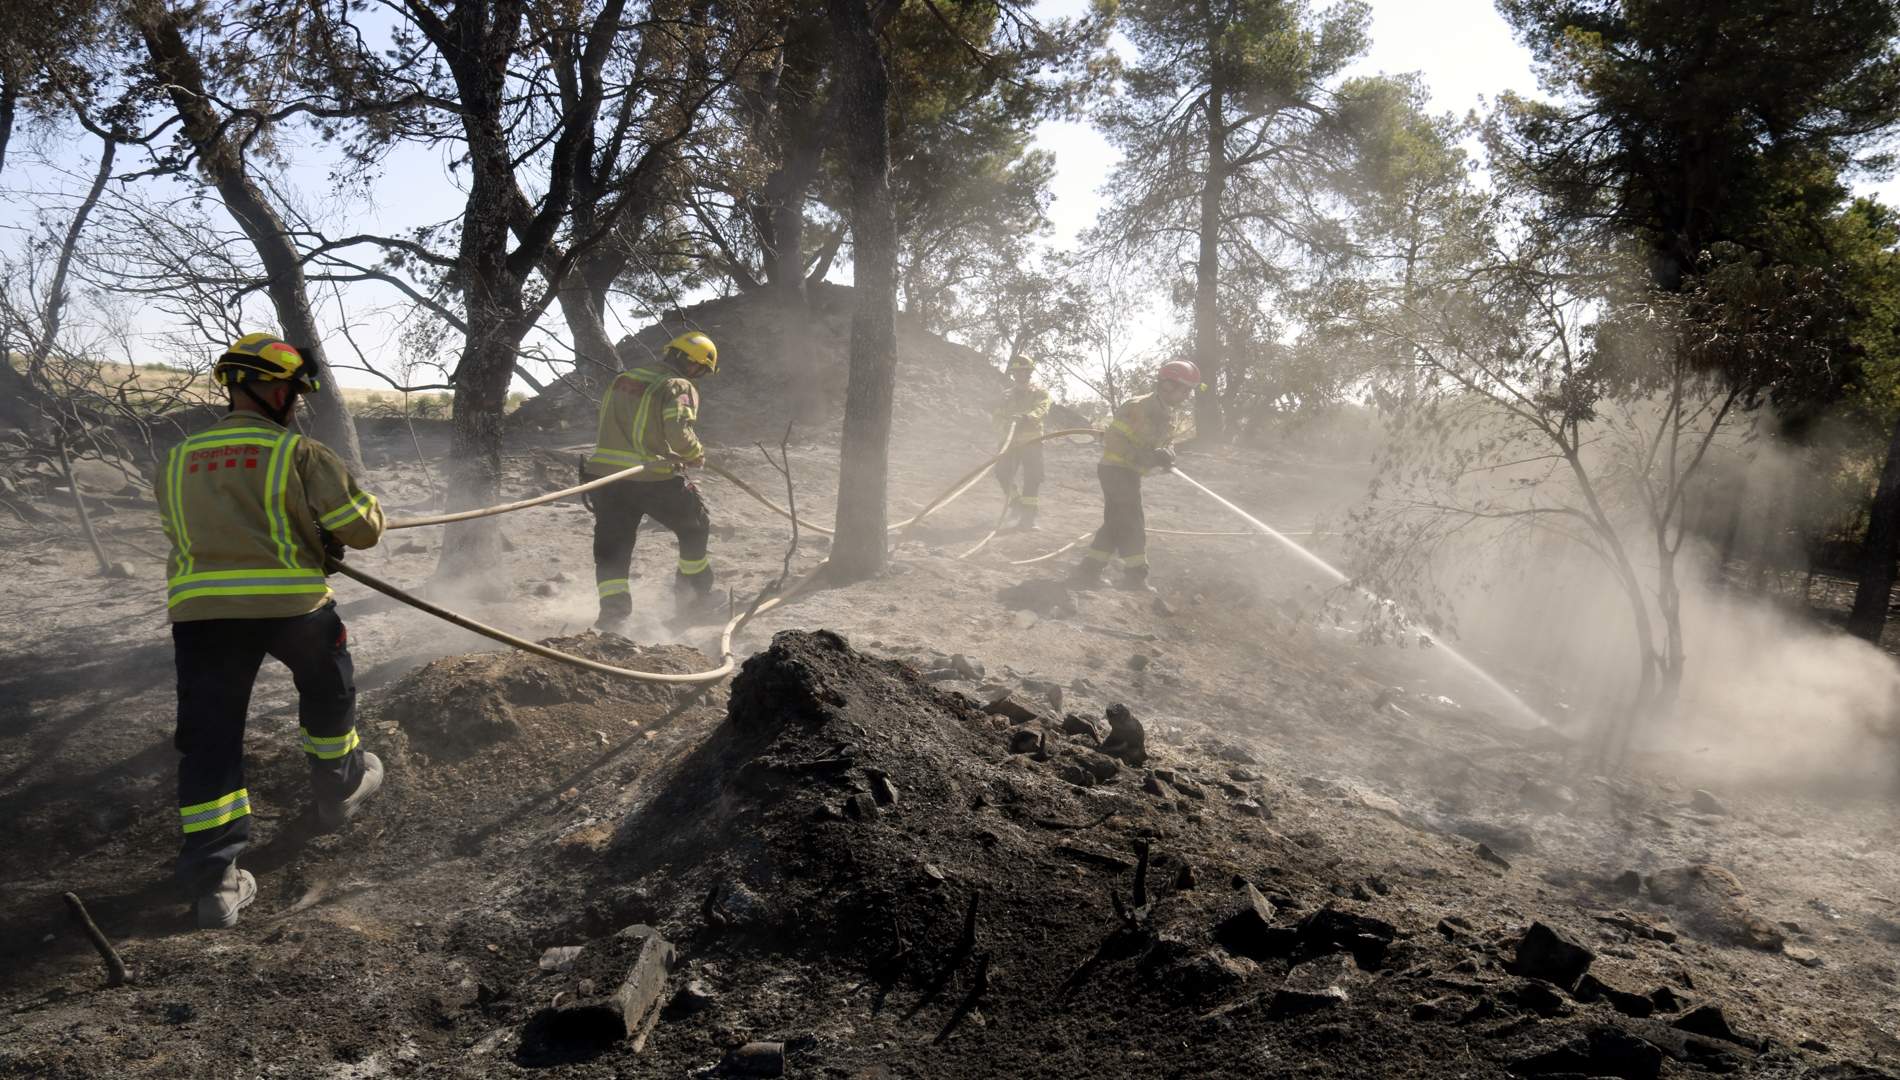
{"x":1462,"y":48}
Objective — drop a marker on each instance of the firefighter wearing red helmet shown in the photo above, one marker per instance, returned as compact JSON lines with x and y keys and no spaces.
{"x":1139,"y":441}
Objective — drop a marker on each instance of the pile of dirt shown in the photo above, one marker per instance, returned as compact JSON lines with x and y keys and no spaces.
{"x":868,"y":875}
{"x":777,"y":364}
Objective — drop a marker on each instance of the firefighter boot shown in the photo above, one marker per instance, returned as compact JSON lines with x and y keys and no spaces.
{"x":1026,"y":519}
{"x":334,"y":815}
{"x":217,"y":907}
{"x":1135,"y":579}
{"x":1087,"y":574}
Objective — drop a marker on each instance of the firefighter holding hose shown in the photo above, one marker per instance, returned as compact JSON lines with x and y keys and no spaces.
{"x":253,"y":511}
{"x":647,"y":417}
{"x":1139,"y":441}
{"x":1024,"y":404}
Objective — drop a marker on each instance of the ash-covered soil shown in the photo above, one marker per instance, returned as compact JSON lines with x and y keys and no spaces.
{"x":851,"y":852}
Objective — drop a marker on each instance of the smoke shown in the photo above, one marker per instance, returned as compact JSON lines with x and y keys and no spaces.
{"x":1772,"y":693}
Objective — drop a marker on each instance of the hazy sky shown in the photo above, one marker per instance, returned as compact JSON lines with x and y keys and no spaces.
{"x":1462,"y":48}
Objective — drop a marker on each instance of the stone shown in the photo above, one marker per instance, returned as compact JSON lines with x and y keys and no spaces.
{"x":120,"y":570}
{"x":1101,"y":766}
{"x":1714,"y":904}
{"x":1804,"y":957}
{"x":1438,"y":1008}
{"x":937,"y":675}
{"x":1126,"y":738}
{"x":1083,"y":727}
{"x":755,"y":1059}
{"x":694,"y":997}
{"x":1592,"y":989}
{"x":1075,"y":774}
{"x":1485,"y":854}
{"x":1250,"y":932}
{"x":1008,"y":706}
{"x":1627,"y":883}
{"x":1599,"y":1051}
{"x":1027,"y":740}
{"x":882,"y":789}
{"x":1313,"y":986}
{"x":1666,"y":1000}
{"x":1330,"y":930}
{"x":635,"y":1000}
{"x":1551,"y":955}
{"x":1198,"y":975}
{"x":966,"y":667}
{"x":1184,"y":878}
{"x":1026,"y":620}
{"x":1155,"y":786}
{"x":1710,"y":1021}
{"x":559,"y":958}
{"x":1703,"y":802}
{"x":1181,"y":784}
{"x":1538,"y":997}
{"x":410,"y":547}
{"x":1140,"y":662}
{"x":861,"y":807}
{"x":546,"y":588}
{"x":1638,"y":925}
{"x":733,"y":904}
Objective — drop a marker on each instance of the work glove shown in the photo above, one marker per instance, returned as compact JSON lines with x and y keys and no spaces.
{"x":333,"y":548}
{"x":1162,"y":458}
{"x":587,"y":497}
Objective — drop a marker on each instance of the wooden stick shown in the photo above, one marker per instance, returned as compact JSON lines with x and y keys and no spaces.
{"x":85,"y":519}
{"x":115,"y":968}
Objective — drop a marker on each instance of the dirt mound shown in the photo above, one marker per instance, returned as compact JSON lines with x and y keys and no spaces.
{"x":460,"y":706}
{"x":777,"y":365}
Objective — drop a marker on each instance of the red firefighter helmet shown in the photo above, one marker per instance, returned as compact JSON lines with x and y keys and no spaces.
{"x":1181,"y":371}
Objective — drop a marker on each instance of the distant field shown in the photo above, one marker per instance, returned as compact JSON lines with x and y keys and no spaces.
{"x":159,"y":386}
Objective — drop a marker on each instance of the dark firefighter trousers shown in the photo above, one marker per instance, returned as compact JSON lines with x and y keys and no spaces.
{"x":1029,"y":460}
{"x":1124,"y":528}
{"x":218,"y":661}
{"x":618,"y":509}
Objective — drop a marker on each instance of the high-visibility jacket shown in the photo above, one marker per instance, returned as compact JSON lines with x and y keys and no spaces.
{"x":1026,"y":406}
{"x":243,"y":502}
{"x":646,"y":418}
{"x":1141,"y":426}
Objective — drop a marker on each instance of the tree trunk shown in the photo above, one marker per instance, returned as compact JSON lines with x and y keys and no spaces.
{"x":9,"y":102}
{"x":1672,"y":660}
{"x":223,"y":162}
{"x":1878,"y":551}
{"x":53,"y":312}
{"x":858,"y":550}
{"x":1207,"y":347}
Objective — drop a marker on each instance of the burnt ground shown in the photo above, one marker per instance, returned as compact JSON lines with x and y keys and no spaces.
{"x":532,"y":807}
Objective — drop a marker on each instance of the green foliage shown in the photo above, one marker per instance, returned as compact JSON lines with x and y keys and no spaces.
{"x":1686,"y":125}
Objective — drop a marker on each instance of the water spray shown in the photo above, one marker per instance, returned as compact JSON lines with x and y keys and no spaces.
{"x":1339,"y":576}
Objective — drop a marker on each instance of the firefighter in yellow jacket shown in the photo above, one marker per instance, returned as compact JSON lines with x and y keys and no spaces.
{"x":1024,"y":404}
{"x":647,"y":418}
{"x":1139,"y":441}
{"x":251,"y":510}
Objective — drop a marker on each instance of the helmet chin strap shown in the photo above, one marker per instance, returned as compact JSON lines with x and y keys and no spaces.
{"x":279,"y":415}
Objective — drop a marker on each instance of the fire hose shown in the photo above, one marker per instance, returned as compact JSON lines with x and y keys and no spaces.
{"x":727,"y":633}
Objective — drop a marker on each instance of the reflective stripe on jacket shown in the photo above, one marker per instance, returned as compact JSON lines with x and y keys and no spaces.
{"x":646,"y":418}
{"x":1026,"y":405}
{"x":1141,"y":426}
{"x":242,"y":503}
